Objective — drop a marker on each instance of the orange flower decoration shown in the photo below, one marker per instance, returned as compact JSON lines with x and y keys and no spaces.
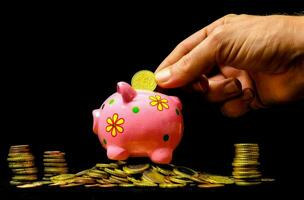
{"x":159,"y":102}
{"x":114,"y":126}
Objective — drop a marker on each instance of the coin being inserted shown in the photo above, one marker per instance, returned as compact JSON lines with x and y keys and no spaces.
{"x":144,"y":80}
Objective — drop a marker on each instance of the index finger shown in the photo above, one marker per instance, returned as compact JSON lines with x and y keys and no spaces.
{"x":191,"y":42}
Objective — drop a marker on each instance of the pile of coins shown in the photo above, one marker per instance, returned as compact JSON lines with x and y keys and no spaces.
{"x":22,"y":164}
{"x":144,"y":80}
{"x":54,"y":164}
{"x":121,"y":174}
{"x":245,"y":164}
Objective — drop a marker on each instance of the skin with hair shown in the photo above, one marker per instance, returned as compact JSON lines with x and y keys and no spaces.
{"x":258,"y":60}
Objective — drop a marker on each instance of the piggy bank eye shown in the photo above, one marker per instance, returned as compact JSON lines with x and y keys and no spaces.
{"x":166,"y":137}
{"x":111,"y":101}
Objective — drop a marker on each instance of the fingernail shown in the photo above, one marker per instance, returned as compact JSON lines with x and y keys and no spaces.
{"x":248,"y":95}
{"x":163,"y":75}
{"x":233,"y":87}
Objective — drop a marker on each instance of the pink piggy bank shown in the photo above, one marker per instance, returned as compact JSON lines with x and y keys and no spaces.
{"x":139,"y":123}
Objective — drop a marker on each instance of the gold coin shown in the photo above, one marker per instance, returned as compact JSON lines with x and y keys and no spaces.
{"x":21,"y":164}
{"x":197,"y":179}
{"x":50,"y":174}
{"x":247,"y":176}
{"x":144,"y":80}
{"x":135,"y":169}
{"x":52,"y":152}
{"x":145,"y":184}
{"x":55,"y":164}
{"x":180,"y":180}
{"x":91,"y":185}
{"x":96,"y":175}
{"x":133,"y":180}
{"x":70,"y":185}
{"x":54,"y":156}
{"x":212,"y":185}
{"x":84,"y":180}
{"x":23,"y":158}
{"x":25,"y":170}
{"x":171,"y":185}
{"x":246,"y":144}
{"x":54,"y":160}
{"x":25,"y":177}
{"x":98,"y":171}
{"x":163,"y":171}
{"x":119,"y":178}
{"x":247,"y":163}
{"x":220,"y":179}
{"x":113,"y":180}
{"x":116,"y":172}
{"x":107,"y":185}
{"x":184,"y":171}
{"x":30,"y":185}
{"x":25,"y":146}
{"x":105,"y":165}
{"x":83,"y":172}
{"x":126,"y":185}
{"x":62,"y":177}
{"x":21,"y":154}
{"x":153,"y":176}
{"x":247,"y":183}
{"x":13,"y":182}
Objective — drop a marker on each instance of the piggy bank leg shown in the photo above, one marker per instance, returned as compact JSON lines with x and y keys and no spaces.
{"x":117,"y":153}
{"x":161,"y":155}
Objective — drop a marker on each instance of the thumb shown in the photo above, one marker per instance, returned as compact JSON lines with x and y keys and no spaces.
{"x":190,"y":67}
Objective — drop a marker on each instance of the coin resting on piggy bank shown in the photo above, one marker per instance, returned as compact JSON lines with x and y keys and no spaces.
{"x":138,"y":122}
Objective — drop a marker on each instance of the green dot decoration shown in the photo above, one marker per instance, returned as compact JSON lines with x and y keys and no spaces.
{"x":135,"y":109}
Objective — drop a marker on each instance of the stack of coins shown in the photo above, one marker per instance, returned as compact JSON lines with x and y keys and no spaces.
{"x":22,"y":164}
{"x":245,"y":164}
{"x":54,"y":164}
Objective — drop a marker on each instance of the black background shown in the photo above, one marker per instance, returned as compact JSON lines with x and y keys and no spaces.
{"x":62,"y":61}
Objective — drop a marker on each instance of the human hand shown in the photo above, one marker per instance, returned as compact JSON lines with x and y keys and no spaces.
{"x":260,"y":62}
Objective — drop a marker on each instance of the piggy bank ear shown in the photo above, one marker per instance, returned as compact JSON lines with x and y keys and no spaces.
{"x":177,"y":102}
{"x":96,"y":115}
{"x":126,"y":91}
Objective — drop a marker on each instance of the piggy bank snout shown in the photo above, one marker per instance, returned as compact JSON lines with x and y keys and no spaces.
{"x":96,"y":115}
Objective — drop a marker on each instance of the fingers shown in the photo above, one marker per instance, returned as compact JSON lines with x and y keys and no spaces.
{"x":239,"y":106}
{"x":223,"y":90}
{"x":189,"y":43}
{"x":199,"y":61}
{"x":200,"y":86}
{"x":218,"y":88}
{"x":191,"y":58}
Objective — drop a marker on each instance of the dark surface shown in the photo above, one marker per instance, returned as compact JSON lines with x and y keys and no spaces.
{"x":63,"y":62}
